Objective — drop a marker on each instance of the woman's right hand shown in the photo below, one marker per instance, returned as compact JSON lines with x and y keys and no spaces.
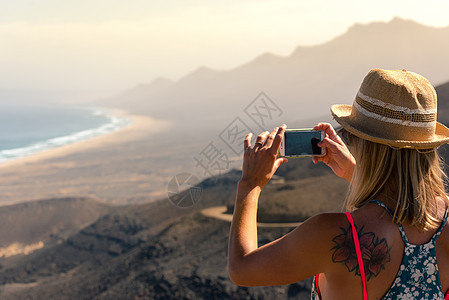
{"x":337,"y":157}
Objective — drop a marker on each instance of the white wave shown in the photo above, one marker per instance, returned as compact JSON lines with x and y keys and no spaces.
{"x":115,"y":123}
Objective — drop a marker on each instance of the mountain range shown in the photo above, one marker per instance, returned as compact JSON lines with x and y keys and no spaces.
{"x":303,"y":84}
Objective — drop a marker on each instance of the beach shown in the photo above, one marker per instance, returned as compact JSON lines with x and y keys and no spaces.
{"x":116,"y":167}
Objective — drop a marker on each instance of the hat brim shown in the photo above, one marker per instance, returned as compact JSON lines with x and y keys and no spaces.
{"x":342,"y":113}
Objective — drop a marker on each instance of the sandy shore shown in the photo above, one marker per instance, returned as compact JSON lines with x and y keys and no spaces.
{"x":140,"y":125}
{"x":118,"y":167}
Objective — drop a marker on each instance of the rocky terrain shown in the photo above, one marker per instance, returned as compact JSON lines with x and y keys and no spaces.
{"x":151,"y":251}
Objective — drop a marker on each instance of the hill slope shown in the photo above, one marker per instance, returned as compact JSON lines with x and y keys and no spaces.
{"x":154,"y":251}
{"x":47,"y":221}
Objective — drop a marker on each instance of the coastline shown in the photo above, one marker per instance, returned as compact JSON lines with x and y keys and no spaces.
{"x":120,"y":167}
{"x":139,"y":125}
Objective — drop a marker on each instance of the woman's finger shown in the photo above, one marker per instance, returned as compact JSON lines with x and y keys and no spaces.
{"x":279,"y":162}
{"x":277,"y":139}
{"x":270,"y":138}
{"x":261,"y":139}
{"x":247,"y":141}
{"x":328,"y":143}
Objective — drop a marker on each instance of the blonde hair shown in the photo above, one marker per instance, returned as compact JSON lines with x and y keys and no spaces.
{"x":411,"y":180}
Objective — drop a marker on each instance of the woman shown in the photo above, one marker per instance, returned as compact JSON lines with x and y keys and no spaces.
{"x":395,"y":242}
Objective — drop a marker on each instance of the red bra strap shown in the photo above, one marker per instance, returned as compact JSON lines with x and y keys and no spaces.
{"x":359,"y":254}
{"x":316,"y":286}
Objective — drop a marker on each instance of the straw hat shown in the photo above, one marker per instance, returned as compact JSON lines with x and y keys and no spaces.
{"x":396,"y":108}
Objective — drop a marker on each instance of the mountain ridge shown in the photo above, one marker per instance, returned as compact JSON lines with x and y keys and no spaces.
{"x":306,"y":82}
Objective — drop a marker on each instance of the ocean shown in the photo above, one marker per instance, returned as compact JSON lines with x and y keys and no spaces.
{"x":27,"y":129}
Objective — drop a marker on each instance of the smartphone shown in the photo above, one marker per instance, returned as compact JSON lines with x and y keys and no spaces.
{"x":302,"y":143}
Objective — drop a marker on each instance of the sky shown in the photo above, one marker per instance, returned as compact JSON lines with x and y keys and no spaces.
{"x":105,"y":46}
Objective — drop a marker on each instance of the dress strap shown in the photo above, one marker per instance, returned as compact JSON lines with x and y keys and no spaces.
{"x":437,"y":234}
{"x":401,"y":229}
{"x":359,"y":254}
{"x":383,"y":205}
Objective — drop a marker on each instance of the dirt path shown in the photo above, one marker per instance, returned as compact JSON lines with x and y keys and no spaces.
{"x":218,"y":212}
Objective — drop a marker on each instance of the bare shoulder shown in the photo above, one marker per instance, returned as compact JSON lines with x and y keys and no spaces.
{"x":328,"y":224}
{"x":325,"y":223}
{"x":367,"y":216}
{"x":315,"y":238}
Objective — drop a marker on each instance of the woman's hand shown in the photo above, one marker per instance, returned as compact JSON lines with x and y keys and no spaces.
{"x":337,"y":157}
{"x":260,"y":162}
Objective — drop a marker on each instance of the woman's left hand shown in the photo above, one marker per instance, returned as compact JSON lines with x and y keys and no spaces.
{"x":260,"y":162}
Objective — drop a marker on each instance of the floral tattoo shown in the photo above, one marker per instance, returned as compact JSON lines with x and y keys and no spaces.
{"x":375,"y":252}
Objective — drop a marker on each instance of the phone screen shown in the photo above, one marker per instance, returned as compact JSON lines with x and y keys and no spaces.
{"x":302,"y":143}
